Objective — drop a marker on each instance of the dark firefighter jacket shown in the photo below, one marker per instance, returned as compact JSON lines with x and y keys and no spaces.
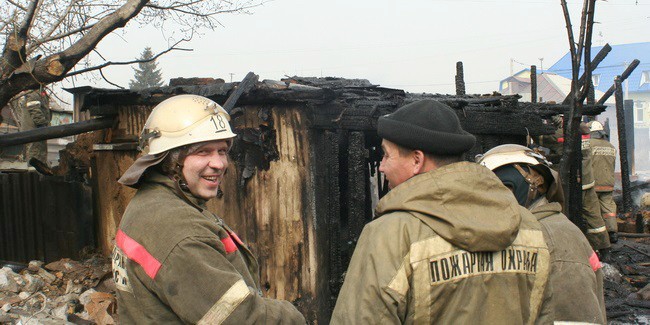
{"x":576,"y":276}
{"x":175,"y":264}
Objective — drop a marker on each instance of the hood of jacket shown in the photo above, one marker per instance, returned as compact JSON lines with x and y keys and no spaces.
{"x":464,"y":203}
{"x":543,"y":209}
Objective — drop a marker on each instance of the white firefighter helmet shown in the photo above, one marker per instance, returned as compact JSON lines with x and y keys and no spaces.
{"x":595,"y":126}
{"x":542,"y":178}
{"x":182,"y":120}
{"x":506,"y":154}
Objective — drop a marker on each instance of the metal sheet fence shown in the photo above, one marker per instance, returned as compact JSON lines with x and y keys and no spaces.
{"x":44,"y":217}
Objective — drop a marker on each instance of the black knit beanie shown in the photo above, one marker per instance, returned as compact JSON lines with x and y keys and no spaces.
{"x":426,"y":125}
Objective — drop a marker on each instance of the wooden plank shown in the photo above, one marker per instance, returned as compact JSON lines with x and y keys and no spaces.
{"x":53,"y":132}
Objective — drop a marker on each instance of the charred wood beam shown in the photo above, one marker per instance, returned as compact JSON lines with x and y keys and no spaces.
{"x":244,"y":86}
{"x":498,"y":123}
{"x":460,"y":79}
{"x":455,"y":102}
{"x":492,"y":122}
{"x":533,"y":84}
{"x":59,"y":131}
{"x":555,"y":109}
{"x":622,"y":144}
{"x":594,"y":64}
{"x":623,"y":76}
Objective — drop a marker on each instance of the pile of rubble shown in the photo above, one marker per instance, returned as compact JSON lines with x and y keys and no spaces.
{"x":61,"y":292}
{"x":67,"y":291}
{"x":627,"y":292}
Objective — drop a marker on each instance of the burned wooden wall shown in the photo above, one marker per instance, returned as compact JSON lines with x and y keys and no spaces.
{"x":303,"y":178}
{"x":44,"y":217}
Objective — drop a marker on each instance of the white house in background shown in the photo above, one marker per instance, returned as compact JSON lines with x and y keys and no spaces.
{"x":551,"y":87}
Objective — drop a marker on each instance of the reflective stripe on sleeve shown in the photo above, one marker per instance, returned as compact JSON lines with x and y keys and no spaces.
{"x":594,"y":262}
{"x":400,"y":282}
{"x":226,"y":304}
{"x":596,"y":230}
{"x":588,"y":186}
{"x":609,"y":215}
{"x":136,"y":252}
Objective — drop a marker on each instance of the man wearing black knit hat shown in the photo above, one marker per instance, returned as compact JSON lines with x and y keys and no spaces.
{"x":450,"y":243}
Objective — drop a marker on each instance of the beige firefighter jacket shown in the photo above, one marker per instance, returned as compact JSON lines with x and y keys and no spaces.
{"x":451,"y":246}
{"x":175,"y":264}
{"x":604,"y":158}
{"x":576,"y":275}
{"x":587,"y":164}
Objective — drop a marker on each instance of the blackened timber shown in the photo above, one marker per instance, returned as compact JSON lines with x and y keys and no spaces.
{"x":622,"y":143}
{"x":357,"y":189}
{"x":623,"y":76}
{"x":533,"y":84}
{"x":594,"y":64}
{"x":58,"y":131}
{"x":244,"y":86}
{"x":554,"y":109}
{"x":497,"y":123}
{"x":460,"y":79}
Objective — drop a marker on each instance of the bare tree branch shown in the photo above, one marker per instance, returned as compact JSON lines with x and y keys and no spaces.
{"x":105,"y":79}
{"x":54,"y":26}
{"x":14,"y":52}
{"x":106,"y":64}
{"x":65,"y":33}
{"x":589,"y":27}
{"x":17,"y":5}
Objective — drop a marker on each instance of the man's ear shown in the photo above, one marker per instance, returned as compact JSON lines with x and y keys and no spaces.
{"x":418,"y":161}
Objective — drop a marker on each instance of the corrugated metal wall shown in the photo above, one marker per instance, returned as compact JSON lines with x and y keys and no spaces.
{"x":44,"y":218}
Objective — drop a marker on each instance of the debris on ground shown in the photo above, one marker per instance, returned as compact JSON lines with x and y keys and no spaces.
{"x":627,"y":290}
{"x":61,"y":292}
{"x":71,"y":292}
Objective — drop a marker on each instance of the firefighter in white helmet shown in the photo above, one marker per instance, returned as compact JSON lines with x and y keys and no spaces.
{"x":603,"y":160}
{"x":576,"y":277}
{"x":174,"y":261}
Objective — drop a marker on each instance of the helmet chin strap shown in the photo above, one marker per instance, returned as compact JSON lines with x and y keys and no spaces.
{"x":536,"y":182}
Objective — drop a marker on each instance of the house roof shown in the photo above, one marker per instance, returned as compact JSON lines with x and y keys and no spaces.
{"x":550,"y":86}
{"x":614,"y":64}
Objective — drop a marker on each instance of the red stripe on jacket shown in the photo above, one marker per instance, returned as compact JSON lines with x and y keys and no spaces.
{"x":584,"y":137}
{"x":229,"y":244}
{"x":595,"y":262}
{"x":136,"y":252}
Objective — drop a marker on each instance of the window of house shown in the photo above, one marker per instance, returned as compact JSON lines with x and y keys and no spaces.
{"x":595,"y":80}
{"x":645,"y":77}
{"x":639,"y":110}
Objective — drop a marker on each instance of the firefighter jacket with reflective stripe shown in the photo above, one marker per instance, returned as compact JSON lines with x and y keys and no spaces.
{"x":576,"y":275}
{"x":587,"y":164}
{"x":604,"y":158}
{"x":176,"y":264}
{"x":450,"y":246}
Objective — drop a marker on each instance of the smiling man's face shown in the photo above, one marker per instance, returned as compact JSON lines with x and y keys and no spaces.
{"x":203,"y":169}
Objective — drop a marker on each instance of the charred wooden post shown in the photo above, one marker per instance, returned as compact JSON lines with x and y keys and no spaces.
{"x":591,"y":94}
{"x":628,"y":71}
{"x":58,"y":131}
{"x":244,"y":86}
{"x":460,"y":79}
{"x":594,"y":64}
{"x":628,"y":107}
{"x":622,"y":143}
{"x":533,"y":84}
